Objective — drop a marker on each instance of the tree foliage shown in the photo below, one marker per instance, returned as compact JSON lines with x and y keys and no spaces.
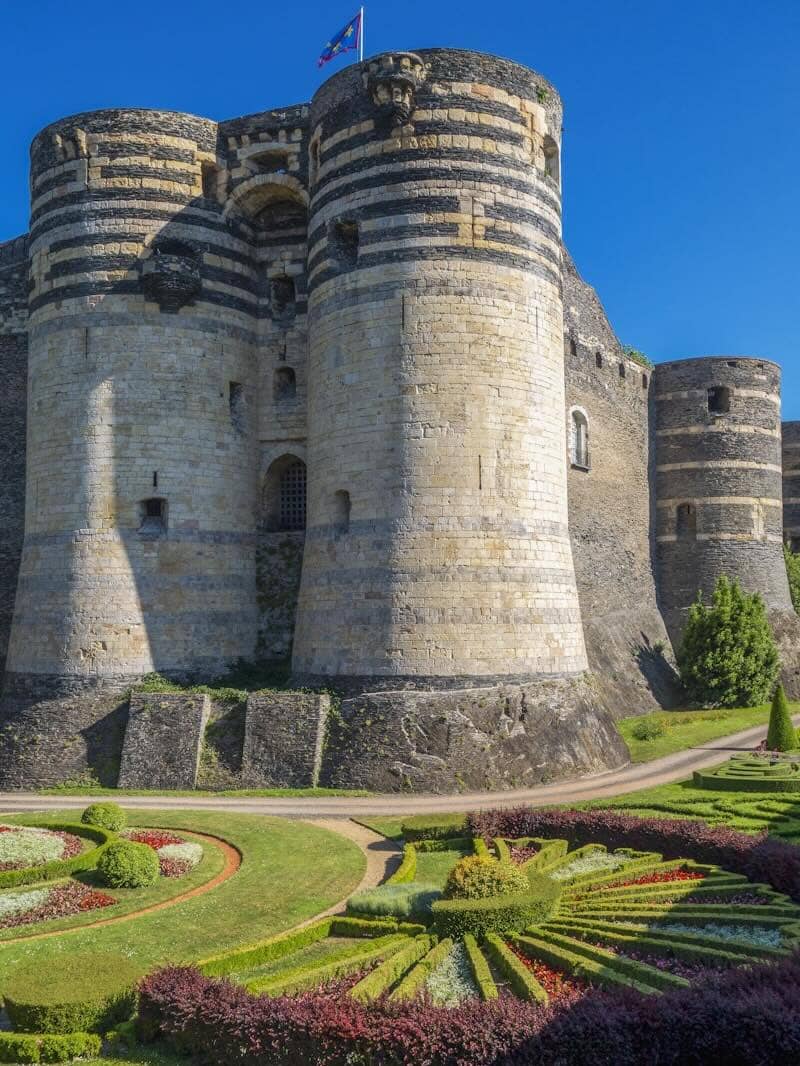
{"x":781,"y":735}
{"x":728,"y":657}
{"x":793,"y":573}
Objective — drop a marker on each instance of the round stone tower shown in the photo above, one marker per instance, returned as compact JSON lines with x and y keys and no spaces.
{"x":437,"y":546}
{"x":139,"y":530}
{"x":791,"y":484}
{"x":718,"y":490}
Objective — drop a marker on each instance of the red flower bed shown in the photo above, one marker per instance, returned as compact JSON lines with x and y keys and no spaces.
{"x":522,"y":854}
{"x":559,"y":988}
{"x":153,"y":838}
{"x":663,"y":878}
{"x":173,"y":867}
{"x":62,"y":901}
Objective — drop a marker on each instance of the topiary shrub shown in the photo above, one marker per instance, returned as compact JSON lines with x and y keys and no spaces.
{"x":510,"y":913}
{"x":781,"y":735}
{"x":128,"y":865}
{"x":107,"y":815}
{"x":80,"y":993}
{"x":728,"y":657}
{"x":480,"y":877}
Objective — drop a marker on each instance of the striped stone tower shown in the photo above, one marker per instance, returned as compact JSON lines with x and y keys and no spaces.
{"x":437,"y":547}
{"x":791,"y":484}
{"x":718,"y":481}
{"x":139,"y":528}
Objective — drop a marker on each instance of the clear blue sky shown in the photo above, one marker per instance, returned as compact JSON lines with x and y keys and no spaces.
{"x":681,"y":145}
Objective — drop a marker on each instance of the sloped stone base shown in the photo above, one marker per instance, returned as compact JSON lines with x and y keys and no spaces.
{"x":500,"y":737}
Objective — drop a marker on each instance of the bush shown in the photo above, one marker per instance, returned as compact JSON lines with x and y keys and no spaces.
{"x":649,"y":729}
{"x":395,"y":900}
{"x":433,"y":827}
{"x":498,"y":914}
{"x":747,"y":1017}
{"x":728,"y":657}
{"x":407,"y":870}
{"x":80,"y":993}
{"x":479,"y":877}
{"x":107,"y":815}
{"x":23,"y":1047}
{"x":781,"y":735}
{"x":128,"y":865}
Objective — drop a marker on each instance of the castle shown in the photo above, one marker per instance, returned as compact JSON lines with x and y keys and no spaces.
{"x":323,"y":381}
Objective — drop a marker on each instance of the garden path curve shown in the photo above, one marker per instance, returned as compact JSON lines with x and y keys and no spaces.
{"x":664,"y":771}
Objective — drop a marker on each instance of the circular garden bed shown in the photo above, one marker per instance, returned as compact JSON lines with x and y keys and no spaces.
{"x":602,"y":937}
{"x":754,"y":772}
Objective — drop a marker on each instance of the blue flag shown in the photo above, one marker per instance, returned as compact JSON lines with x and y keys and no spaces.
{"x":346,"y":40}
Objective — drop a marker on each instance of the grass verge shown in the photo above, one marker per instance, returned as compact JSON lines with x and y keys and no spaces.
{"x":290,"y":872}
{"x":679,"y":730}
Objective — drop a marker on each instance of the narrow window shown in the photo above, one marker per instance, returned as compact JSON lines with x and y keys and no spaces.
{"x":719,"y":400}
{"x":153,"y":516}
{"x":645,"y":381}
{"x":551,"y":164}
{"x":686,"y":521}
{"x":344,"y":243}
{"x":155,"y":479}
{"x":208,"y":174}
{"x":236,"y":405}
{"x":282,"y":298}
{"x":622,"y":370}
{"x":284,"y":385}
{"x":293,"y":496}
{"x":573,"y":347}
{"x":598,"y":359}
{"x":341,"y":510}
{"x":579,"y":440}
{"x":313,"y":163}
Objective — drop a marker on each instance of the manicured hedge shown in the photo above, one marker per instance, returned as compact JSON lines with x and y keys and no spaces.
{"x":746,"y":1017}
{"x":101,"y":990}
{"x":349,"y":959}
{"x":276,"y":947}
{"x":758,"y":857}
{"x":389,"y":972}
{"x":424,"y":827}
{"x":49,"y":1047}
{"x":521,"y":979}
{"x":125,"y":864}
{"x":414,"y":981}
{"x":497,"y":914}
{"x":481,"y":973}
{"x":54,"y":871}
{"x":721,"y":782}
{"x":407,"y":870}
{"x":105,"y":815}
{"x":640,"y":972}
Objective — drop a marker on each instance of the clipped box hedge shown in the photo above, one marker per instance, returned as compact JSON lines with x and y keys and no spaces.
{"x":407,"y":870}
{"x":348,"y":960}
{"x":497,"y":914}
{"x":425,"y":827}
{"x":521,"y":979}
{"x":415,"y":979}
{"x":60,"y":868}
{"x":99,"y":991}
{"x":481,"y":973}
{"x":48,"y":1047}
{"x":391,"y":970}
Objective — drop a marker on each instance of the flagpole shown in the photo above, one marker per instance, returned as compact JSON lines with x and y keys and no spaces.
{"x":361,"y":36}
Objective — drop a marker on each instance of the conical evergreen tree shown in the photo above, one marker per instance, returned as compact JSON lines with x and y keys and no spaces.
{"x":781,"y":735}
{"x":728,"y":657}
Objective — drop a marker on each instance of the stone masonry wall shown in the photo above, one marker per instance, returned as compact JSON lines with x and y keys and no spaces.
{"x":611,"y":509}
{"x":791,"y":484}
{"x":284,"y":738}
{"x":163,"y":739}
{"x":13,"y":399}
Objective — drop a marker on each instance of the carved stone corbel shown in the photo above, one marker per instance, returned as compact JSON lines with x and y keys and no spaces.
{"x":392,"y":79}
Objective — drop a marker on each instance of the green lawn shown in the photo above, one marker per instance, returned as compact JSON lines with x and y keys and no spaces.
{"x":290,"y":872}
{"x":687,"y":729}
{"x":139,"y":1057}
